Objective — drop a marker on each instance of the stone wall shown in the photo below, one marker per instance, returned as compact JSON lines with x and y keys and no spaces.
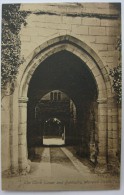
{"x":5,"y":133}
{"x":97,"y":25}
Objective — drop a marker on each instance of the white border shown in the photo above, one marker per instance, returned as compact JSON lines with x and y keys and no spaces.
{"x":111,"y":192}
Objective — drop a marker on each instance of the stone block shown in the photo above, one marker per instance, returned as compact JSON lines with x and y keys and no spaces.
{"x":102,"y":119}
{"x":58,"y":26}
{"x":22,"y":140}
{"x":107,"y":53}
{"x":85,"y":59}
{"x":22,"y":151}
{"x":109,"y":126}
{"x":22,"y":128}
{"x":100,"y":47}
{"x":111,"y":106}
{"x":33,"y":19}
{"x":22,"y":162}
{"x":104,"y":71}
{"x":102,"y":111}
{"x":110,"y":142}
{"x":25,"y":38}
{"x":97,"y":31}
{"x":97,"y":5}
{"x":28,"y":31}
{"x":82,"y":30}
{"x":106,"y":78}
{"x":115,"y":126}
{"x":112,"y":31}
{"x":46,"y":32}
{"x":109,"y":89}
{"x":39,"y":25}
{"x":114,"y":119}
{"x":102,"y":133}
{"x":22,"y":115}
{"x":94,"y":9}
{"x":95,"y":71}
{"x":90,"y":64}
{"x":110,"y":151}
{"x":108,"y":59}
{"x":115,"y":135}
{"x":86,"y":38}
{"x":13,"y":133}
{"x":110,"y":119}
{"x":109,"y":112}
{"x":102,"y":147}
{"x":102,"y":126}
{"x":5,"y":127}
{"x":110,"y":133}
{"x":5,"y":139}
{"x":91,"y":21}
{"x":111,"y":47}
{"x":71,"y":20}
{"x":5,"y":150}
{"x":99,"y":79}
{"x":73,"y":9}
{"x":53,"y":19}
{"x":14,"y":150}
{"x":102,"y":94}
{"x":114,"y":152}
{"x":114,"y":112}
{"x":102,"y":103}
{"x":24,"y":52}
{"x":109,"y":22}
{"x":101,"y":85}
{"x":105,"y":40}
{"x":112,"y":101}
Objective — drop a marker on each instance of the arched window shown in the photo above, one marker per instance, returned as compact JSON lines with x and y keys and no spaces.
{"x":51,"y":96}
{"x":59,"y":96}
{"x":55,"y":96}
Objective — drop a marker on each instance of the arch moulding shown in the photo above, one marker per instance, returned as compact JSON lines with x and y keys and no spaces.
{"x":73,"y":45}
{"x":99,"y":72}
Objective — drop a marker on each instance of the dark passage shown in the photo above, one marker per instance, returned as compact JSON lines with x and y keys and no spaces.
{"x":62,"y":105}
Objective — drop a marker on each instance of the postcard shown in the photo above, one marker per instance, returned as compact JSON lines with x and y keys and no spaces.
{"x":61,"y":96}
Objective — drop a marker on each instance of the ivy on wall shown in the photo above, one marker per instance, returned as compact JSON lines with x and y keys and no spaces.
{"x":116,"y":74}
{"x":12,"y":19}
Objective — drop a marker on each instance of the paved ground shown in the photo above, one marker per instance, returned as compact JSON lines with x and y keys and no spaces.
{"x":53,"y":141}
{"x":59,"y":168}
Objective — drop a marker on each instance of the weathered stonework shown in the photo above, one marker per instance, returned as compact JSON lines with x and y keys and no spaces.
{"x":88,"y":32}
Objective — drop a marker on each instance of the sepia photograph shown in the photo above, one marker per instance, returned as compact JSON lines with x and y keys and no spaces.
{"x":61,"y":96}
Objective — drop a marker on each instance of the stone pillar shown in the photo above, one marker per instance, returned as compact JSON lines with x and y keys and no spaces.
{"x":23,"y":155}
{"x":13,"y":134}
{"x":92,"y":144}
{"x":102,"y":136}
{"x":113,"y":135}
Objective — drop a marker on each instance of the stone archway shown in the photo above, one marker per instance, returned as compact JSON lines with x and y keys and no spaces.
{"x":101,"y":77}
{"x":42,"y":108}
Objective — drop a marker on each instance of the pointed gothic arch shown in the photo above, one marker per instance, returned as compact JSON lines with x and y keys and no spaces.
{"x":101,"y":77}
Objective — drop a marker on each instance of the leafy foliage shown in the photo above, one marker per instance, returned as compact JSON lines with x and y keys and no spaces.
{"x":12,"y":19}
{"x":116,"y":73}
